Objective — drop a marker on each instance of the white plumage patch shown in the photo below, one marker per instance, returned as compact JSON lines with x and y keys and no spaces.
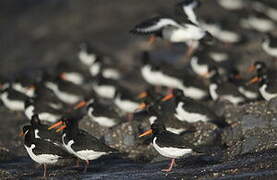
{"x":194,"y":93}
{"x":197,"y":68}
{"x":248,"y":94}
{"x":36,"y":133}
{"x":13,"y":105}
{"x":41,"y":158}
{"x":105,"y":91}
{"x":267,"y":96}
{"x":29,"y":111}
{"x":125,"y":105}
{"x":49,"y":117}
{"x":27,"y":91}
{"x":259,"y":24}
{"x":233,"y":99}
{"x":183,"y":115}
{"x":102,"y":121}
{"x":160,"y":24}
{"x":218,"y":57}
{"x":87,"y":59}
{"x":94,"y":69}
{"x":63,"y":96}
{"x":174,"y":130}
{"x":213,"y":87}
{"x":171,"y":152}
{"x":231,"y":4}
{"x":269,"y":50}
{"x":74,"y":77}
{"x":188,"y":10}
{"x":111,"y":73}
{"x":152,"y":119}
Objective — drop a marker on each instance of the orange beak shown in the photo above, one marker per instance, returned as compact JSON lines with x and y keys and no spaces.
{"x":253,"y":80}
{"x":142,"y":106}
{"x":62,"y":76}
{"x":55,"y":125}
{"x":251,"y":68}
{"x":21,"y":133}
{"x":168,"y":97}
{"x":80,"y":105}
{"x":148,"y":132}
{"x":151,"y":39}
{"x":61,"y":128}
{"x":142,"y":95}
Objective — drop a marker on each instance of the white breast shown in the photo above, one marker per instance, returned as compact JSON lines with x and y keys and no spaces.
{"x":213,"y":93}
{"x":174,"y":130}
{"x":125,"y":105}
{"x":29,"y":111}
{"x":218,"y":57}
{"x":231,"y":4}
{"x":74,"y":77}
{"x":13,"y":105}
{"x":42,"y":158}
{"x":233,"y":99}
{"x":183,"y":115}
{"x":228,"y":36}
{"x":111,"y":73}
{"x":149,"y":75}
{"x":267,"y":96}
{"x":152,"y":119}
{"x":248,"y":94}
{"x":104,"y":90}
{"x":183,"y":34}
{"x":94,"y":69}
{"x":194,"y":93}
{"x":49,"y":117}
{"x":87,"y":59}
{"x":27,"y":91}
{"x":259,"y":24}
{"x":197,"y":68}
{"x":63,"y":96}
{"x":102,"y":121}
{"x":36,"y":134}
{"x":269,"y":50}
{"x":170,"y":151}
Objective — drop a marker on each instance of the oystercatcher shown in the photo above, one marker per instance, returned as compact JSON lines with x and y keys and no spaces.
{"x":42,"y":151}
{"x":268,"y":89}
{"x":80,"y":143}
{"x":45,"y":111}
{"x":168,"y":144}
{"x":269,"y":45}
{"x":220,"y":90}
{"x":186,"y":109}
{"x":12,"y":99}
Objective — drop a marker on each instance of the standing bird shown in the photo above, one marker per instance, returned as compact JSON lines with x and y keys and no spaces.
{"x":80,"y":143}
{"x":168,"y":144}
{"x":42,"y":151}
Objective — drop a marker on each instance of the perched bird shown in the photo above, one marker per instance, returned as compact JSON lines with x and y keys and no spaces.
{"x":42,"y":151}
{"x":80,"y":143}
{"x":12,"y":99}
{"x":267,"y":88}
{"x":220,"y":90}
{"x":168,"y":144}
{"x":43,"y":110}
{"x":269,"y":45}
{"x":188,"y":110}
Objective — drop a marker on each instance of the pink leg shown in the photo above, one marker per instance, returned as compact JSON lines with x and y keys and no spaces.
{"x":45,"y":170}
{"x":86,"y":166}
{"x":170,"y":166}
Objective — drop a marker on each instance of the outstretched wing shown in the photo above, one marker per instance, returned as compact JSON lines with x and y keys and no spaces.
{"x":153,"y":25}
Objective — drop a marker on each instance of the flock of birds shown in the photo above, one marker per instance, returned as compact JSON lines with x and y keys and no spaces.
{"x":92,"y":87}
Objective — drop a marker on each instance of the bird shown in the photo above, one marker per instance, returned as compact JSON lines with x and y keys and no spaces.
{"x":203,"y":66}
{"x":168,"y":144}
{"x":104,"y":87}
{"x":41,"y":131}
{"x":189,"y":110}
{"x":269,"y":45}
{"x":172,"y":30}
{"x":42,"y":151}
{"x":12,"y":99}
{"x":220,"y":90}
{"x":267,"y":88}
{"x":80,"y":143}
{"x":43,"y":110}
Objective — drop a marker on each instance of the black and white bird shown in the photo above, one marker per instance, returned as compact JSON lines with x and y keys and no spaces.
{"x":80,"y":143}
{"x":267,"y":87}
{"x":220,"y":90}
{"x":42,"y":151}
{"x":269,"y":45}
{"x":168,"y":144}
{"x":12,"y":99}
{"x":187,"y":9}
{"x":43,"y":110}
{"x":189,"y":110}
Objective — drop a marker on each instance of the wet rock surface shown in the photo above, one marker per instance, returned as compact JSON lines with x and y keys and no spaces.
{"x":244,"y":150}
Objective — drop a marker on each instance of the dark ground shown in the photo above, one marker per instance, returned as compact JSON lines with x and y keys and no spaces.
{"x":37,"y":34}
